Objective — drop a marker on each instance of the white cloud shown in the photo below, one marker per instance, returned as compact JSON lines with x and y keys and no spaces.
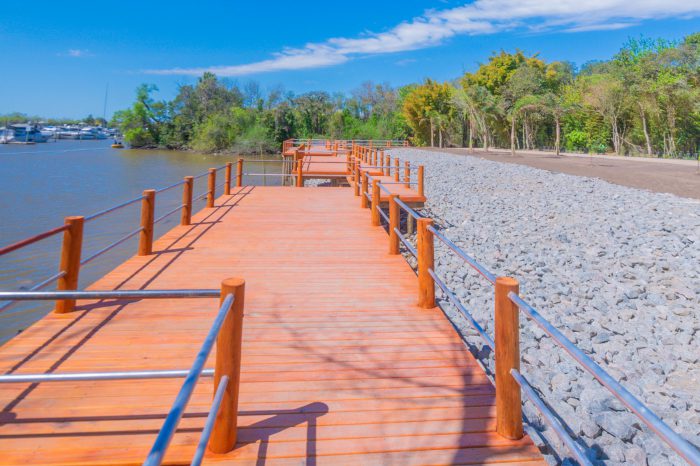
{"x":77,"y":53}
{"x":479,"y":17}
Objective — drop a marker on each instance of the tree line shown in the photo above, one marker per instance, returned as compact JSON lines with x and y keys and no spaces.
{"x":644,"y":100}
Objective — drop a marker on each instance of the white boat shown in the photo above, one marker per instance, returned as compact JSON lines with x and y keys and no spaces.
{"x":69,"y":132}
{"x":6,"y":135}
{"x":27,"y":133}
{"x":49,"y":131}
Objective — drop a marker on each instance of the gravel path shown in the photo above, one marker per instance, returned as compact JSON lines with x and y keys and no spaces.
{"x":616,"y":269}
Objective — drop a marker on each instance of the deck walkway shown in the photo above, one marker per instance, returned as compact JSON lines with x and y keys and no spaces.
{"x":339,"y":364}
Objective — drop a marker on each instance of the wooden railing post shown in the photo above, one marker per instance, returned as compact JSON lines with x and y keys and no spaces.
{"x":356,"y":178}
{"x":426,"y":258}
{"x":509,"y":417}
{"x":407,"y":173}
{"x":239,"y":173}
{"x":228,"y":363}
{"x":70,"y":261}
{"x":363,"y":197}
{"x":148,"y":206}
{"x":374,"y":215}
{"x":381,"y":162}
{"x":387,"y":170}
{"x":187,"y":188}
{"x":397,"y":169}
{"x":211,"y":189}
{"x":420,"y":179}
{"x":394,"y":218}
{"x":300,"y":176}
{"x":227,"y":178}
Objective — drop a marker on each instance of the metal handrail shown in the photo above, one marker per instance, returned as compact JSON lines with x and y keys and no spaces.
{"x":673,"y":439}
{"x":170,"y":187}
{"x":457,"y":303}
{"x":107,"y":294}
{"x":112,"y":209}
{"x":209,"y":424}
{"x":155,"y":457}
{"x":31,"y":240}
{"x":406,"y":243}
{"x":111,"y":246}
{"x":467,"y":258}
{"x":164,"y":216}
{"x":35,"y":287}
{"x":405,"y":207}
{"x":201,"y":196}
{"x":381,"y":212}
{"x":92,"y":376}
{"x":552,"y":420}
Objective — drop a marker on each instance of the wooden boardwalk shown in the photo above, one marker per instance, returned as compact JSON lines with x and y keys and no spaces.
{"x":339,"y":364}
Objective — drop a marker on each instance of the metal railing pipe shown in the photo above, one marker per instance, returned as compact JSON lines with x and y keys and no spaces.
{"x":551,"y":419}
{"x":113,"y":208}
{"x":209,"y":424}
{"x":31,"y":240}
{"x":106,"y":294}
{"x":110,"y":246}
{"x":467,"y":258}
{"x":94,"y":376}
{"x":165,"y":435}
{"x":405,"y":242}
{"x":453,"y":299}
{"x":673,"y":439}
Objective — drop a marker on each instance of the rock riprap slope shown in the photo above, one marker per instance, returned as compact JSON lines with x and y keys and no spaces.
{"x":616,"y":269}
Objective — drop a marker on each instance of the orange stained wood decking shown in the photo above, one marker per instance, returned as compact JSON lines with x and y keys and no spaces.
{"x":339,"y":364}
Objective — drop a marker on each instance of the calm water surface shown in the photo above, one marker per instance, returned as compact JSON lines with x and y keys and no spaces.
{"x":43,"y":183}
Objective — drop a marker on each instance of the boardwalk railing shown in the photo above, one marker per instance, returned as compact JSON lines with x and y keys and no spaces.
{"x":219,"y":433}
{"x":509,"y":381}
{"x":343,"y":144}
{"x":71,"y":260}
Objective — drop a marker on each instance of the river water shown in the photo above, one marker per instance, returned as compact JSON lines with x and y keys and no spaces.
{"x":43,"y":183}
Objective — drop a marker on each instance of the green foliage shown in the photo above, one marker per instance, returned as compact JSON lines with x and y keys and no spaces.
{"x":646,"y":99}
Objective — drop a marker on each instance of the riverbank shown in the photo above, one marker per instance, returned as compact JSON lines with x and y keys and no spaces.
{"x":616,"y":269}
{"x":679,"y":177}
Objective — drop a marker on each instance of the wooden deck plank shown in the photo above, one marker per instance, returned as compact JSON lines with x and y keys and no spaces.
{"x":339,"y":363}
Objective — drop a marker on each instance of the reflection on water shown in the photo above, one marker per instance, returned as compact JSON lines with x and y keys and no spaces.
{"x":43,"y":183}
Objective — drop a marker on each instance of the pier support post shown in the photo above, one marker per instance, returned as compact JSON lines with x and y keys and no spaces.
{"x":426,"y":258}
{"x":421,"y":173}
{"x":70,"y":261}
{"x":239,"y":173}
{"x":509,"y":417}
{"x":228,"y":363}
{"x":363,"y":195}
{"x":211,"y":190}
{"x":394,"y":217}
{"x":186,"y":215}
{"x":227,"y":178}
{"x":148,"y":206}
{"x":300,"y":175}
{"x":407,"y":173}
{"x":374,"y":215}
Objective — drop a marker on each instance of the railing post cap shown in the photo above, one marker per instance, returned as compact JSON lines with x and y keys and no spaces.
{"x":425,"y":220}
{"x":188,"y":178}
{"x":233,"y":282}
{"x":212,"y":170}
{"x":507,"y":281}
{"x":73,"y":218}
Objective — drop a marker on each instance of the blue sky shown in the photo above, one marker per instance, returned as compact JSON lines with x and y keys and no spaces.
{"x":57,"y":58}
